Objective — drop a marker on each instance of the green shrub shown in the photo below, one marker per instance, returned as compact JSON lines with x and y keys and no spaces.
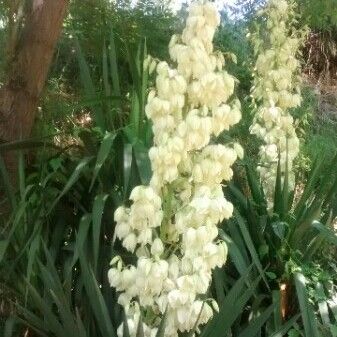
{"x":285,"y":243}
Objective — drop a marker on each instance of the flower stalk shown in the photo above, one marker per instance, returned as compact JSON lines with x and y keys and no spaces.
{"x":276,"y":91}
{"x":171,"y":224}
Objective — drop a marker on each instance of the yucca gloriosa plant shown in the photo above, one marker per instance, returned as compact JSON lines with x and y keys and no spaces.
{"x":59,"y":240}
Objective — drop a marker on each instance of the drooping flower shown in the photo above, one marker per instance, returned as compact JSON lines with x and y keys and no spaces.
{"x":176,"y":242}
{"x":276,"y":90}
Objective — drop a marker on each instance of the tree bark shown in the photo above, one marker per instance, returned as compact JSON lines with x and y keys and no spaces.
{"x":27,"y":72}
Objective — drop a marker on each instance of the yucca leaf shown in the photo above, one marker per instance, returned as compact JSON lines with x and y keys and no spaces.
{"x":235,"y":254}
{"x":256,"y":324}
{"x":140,"y":327}
{"x":286,"y":327}
{"x":15,"y":224}
{"x":314,"y":245}
{"x":143,"y":162}
{"x":114,"y":65}
{"x":308,"y":315}
{"x":66,"y":316}
{"x":52,"y":280}
{"x":238,"y":195}
{"x":105,"y":75}
{"x":310,"y":186}
{"x":134,"y":116}
{"x":103,"y":153}
{"x":119,"y":162}
{"x":332,"y":303}
{"x":236,"y":236}
{"x":233,"y":311}
{"x":72,"y":180}
{"x":81,"y":328}
{"x":96,"y":299}
{"x":9,"y":326}
{"x":52,"y":323}
{"x":97,"y":213}
{"x":89,"y":87}
{"x":162,"y":326}
{"x":8,"y":187}
{"x":126,"y":332}
{"x":322,"y":304}
{"x":277,"y":309}
{"x":33,"y":321}
{"x":250,"y":246}
{"x":22,"y":177}
{"x":302,"y":225}
{"x":330,"y":194}
{"x":81,"y":238}
{"x":254,"y":222}
{"x":231,"y":308}
{"x":285,"y":190}
{"x":57,"y":236}
{"x":254,"y":185}
{"x":327,"y":233}
{"x":230,"y":298}
{"x":218,"y":280}
{"x":257,"y":304}
{"x":278,"y":189}
{"x":32,"y":253}
{"x":134,"y":175}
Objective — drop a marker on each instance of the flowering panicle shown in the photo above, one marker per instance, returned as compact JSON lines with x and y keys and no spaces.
{"x":172,"y":223}
{"x":276,"y":90}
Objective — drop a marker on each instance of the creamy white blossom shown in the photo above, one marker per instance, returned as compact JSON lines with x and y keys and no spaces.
{"x":275,"y":91}
{"x":171,"y":224}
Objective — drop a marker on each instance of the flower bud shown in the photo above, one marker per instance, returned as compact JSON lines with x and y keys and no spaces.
{"x":239,"y":150}
{"x":130,"y":242}
{"x":157,"y":247}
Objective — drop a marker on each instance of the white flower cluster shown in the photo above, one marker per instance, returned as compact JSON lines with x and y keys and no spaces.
{"x":172,"y":223}
{"x":276,"y":90}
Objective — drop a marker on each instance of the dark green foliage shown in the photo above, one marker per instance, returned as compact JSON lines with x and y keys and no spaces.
{"x":92,"y":24}
{"x":288,"y":239}
{"x":246,"y":9}
{"x":319,"y":15}
{"x":316,"y":125}
{"x":65,"y":208}
{"x":231,"y":39}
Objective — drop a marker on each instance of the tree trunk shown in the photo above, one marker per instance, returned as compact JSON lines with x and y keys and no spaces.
{"x":27,"y":72}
